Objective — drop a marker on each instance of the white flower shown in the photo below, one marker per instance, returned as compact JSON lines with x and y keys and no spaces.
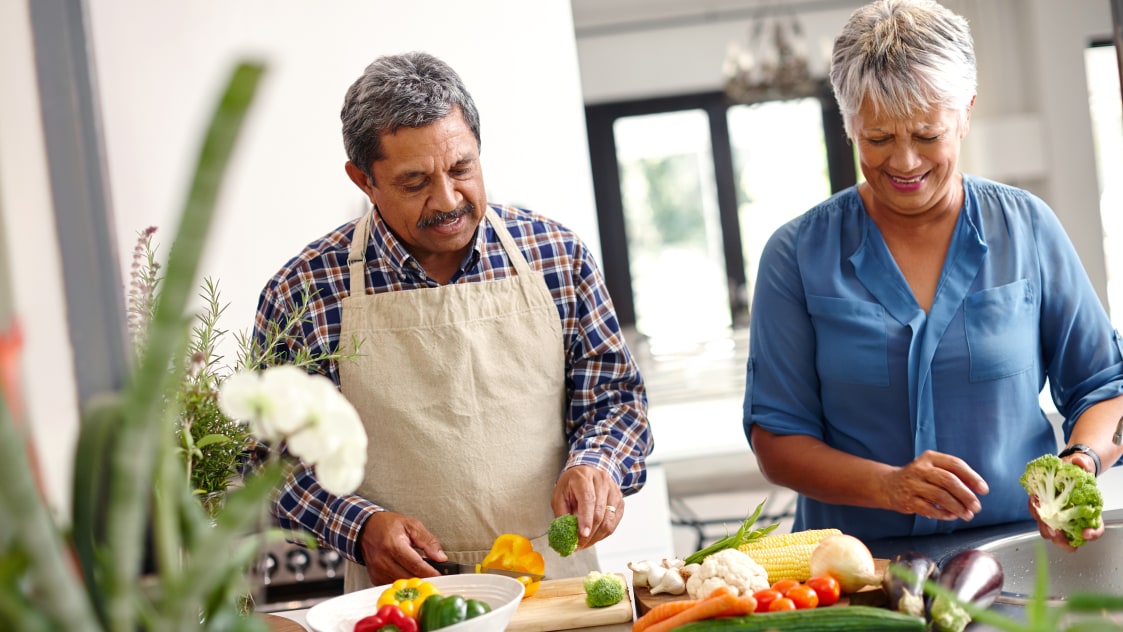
{"x":309,"y":414}
{"x":342,"y":473}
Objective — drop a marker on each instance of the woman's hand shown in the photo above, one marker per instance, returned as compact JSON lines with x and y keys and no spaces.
{"x":1057,"y":536}
{"x":935,"y":485}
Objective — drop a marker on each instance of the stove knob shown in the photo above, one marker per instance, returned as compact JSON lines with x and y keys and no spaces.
{"x":266,"y":566}
{"x":330,"y":562}
{"x":297,"y":561}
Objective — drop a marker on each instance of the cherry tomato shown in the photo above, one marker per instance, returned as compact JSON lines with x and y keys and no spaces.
{"x":803,"y":597}
{"x":764,"y":598}
{"x":827,"y":588}
{"x":782,"y":586}
{"x":783,"y":603}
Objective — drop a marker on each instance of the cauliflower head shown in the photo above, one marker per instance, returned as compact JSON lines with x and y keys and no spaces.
{"x":730,"y":568}
{"x":1067,"y":497}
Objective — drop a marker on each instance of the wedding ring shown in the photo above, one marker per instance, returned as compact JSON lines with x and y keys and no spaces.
{"x":610,"y":508}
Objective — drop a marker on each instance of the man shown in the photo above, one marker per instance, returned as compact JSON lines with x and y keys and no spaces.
{"x":492,"y":376}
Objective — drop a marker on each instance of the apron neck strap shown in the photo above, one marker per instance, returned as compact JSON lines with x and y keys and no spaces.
{"x":357,"y":255}
{"x":509,"y":246}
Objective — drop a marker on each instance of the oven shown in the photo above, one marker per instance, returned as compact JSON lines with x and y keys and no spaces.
{"x":293,"y":577}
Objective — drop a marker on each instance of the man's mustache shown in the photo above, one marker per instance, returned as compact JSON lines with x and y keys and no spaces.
{"x":444,"y":216}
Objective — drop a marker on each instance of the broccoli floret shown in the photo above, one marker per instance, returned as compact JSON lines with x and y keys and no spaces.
{"x":1068,"y":499}
{"x":948,"y":616}
{"x":603,"y":589}
{"x":563,"y":535}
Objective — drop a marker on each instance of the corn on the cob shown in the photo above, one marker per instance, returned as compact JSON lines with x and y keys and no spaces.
{"x":787,"y":555}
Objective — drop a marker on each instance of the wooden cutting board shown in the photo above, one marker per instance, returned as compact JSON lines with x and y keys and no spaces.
{"x":868,"y":596}
{"x":559,"y":604}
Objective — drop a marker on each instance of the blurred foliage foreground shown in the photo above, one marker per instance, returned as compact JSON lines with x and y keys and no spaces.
{"x":130,"y":487}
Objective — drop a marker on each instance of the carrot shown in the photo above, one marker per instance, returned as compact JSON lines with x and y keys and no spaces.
{"x":715,"y":605}
{"x":662,"y":611}
{"x":744,"y":605}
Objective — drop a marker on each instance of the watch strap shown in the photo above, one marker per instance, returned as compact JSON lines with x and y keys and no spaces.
{"x":1080,"y":447}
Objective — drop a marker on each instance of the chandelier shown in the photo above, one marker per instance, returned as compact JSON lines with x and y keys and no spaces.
{"x":772,"y":65}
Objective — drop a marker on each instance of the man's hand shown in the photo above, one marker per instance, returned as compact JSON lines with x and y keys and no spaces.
{"x":936,"y":485}
{"x":595,"y":498}
{"x":390,"y":543}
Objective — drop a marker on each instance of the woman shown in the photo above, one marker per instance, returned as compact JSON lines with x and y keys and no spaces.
{"x":903,"y":329}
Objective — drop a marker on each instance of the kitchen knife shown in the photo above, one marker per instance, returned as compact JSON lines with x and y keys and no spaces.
{"x":452,"y":568}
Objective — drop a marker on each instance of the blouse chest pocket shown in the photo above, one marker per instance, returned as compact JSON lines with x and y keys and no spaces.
{"x":1002,"y":330}
{"x":852,"y":342}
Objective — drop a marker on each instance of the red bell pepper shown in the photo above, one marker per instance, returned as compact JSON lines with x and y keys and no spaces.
{"x":389,"y":618}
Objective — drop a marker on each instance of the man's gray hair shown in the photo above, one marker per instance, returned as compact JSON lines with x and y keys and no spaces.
{"x":906,"y":57}
{"x":409,"y":90}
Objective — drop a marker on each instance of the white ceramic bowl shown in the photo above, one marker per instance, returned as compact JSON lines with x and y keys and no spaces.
{"x":500,"y":592}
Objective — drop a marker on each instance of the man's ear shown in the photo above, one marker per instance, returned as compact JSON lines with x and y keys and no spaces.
{"x":360,"y":179}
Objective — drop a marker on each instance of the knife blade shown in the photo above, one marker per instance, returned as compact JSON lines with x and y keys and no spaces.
{"x":453,"y":568}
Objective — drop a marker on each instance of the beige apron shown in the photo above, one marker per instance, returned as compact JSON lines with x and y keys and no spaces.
{"x":461,"y":389}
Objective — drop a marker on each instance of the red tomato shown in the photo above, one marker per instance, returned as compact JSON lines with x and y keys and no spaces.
{"x":783,"y":603}
{"x":827,"y":588}
{"x":764,"y":598}
{"x":782,"y":586}
{"x":803,"y":597}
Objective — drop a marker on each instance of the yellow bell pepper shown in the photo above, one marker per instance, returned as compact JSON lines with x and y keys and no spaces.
{"x":408,"y":594}
{"x":512,"y":552}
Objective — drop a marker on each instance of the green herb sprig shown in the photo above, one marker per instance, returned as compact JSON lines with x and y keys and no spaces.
{"x":743,"y":535}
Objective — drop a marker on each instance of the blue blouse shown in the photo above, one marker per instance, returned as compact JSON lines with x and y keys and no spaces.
{"x":840,"y":350}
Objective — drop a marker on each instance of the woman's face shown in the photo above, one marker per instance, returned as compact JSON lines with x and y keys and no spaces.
{"x":910,"y":164}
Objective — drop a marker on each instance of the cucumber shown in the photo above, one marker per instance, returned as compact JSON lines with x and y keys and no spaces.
{"x":850,"y":618}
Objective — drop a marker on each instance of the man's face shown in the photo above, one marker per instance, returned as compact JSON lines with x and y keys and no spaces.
{"x":429,"y":189}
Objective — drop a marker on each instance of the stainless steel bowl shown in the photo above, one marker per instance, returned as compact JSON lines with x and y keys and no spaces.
{"x":1096,"y":567}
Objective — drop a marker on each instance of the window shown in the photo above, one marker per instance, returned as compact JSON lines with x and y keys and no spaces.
{"x":688,"y":191}
{"x":1106,"y":104}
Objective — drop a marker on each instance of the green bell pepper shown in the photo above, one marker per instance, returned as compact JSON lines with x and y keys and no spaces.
{"x":438,"y":611}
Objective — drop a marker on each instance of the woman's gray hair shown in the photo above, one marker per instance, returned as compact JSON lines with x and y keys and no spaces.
{"x":906,"y":57}
{"x":409,"y":90}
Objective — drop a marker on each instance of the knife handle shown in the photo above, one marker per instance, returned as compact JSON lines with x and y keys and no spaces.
{"x":444,"y":568}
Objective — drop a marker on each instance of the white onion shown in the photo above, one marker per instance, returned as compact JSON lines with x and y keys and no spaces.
{"x":846,"y":559}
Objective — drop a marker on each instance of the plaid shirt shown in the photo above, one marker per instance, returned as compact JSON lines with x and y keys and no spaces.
{"x":606,"y":421}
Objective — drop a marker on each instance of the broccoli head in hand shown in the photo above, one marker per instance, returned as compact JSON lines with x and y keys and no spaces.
{"x":563,"y":535}
{"x":1067,"y":496}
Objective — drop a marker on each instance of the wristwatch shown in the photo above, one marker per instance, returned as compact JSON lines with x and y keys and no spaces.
{"x":1080,"y":447}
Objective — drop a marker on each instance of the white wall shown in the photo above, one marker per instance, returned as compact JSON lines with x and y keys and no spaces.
{"x":1031,"y":74}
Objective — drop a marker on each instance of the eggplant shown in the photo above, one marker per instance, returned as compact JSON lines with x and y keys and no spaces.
{"x":906,"y":593}
{"x":974,"y":577}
